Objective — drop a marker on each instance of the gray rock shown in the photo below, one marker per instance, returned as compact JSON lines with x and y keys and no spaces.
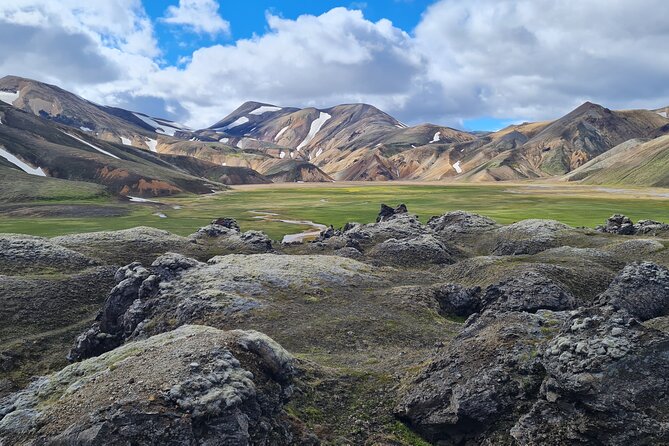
{"x":480,"y":383}
{"x":529,"y":292}
{"x":604,"y":384}
{"x":461,"y":222}
{"x":527,"y":237}
{"x":194,"y":385}
{"x":617,"y":224}
{"x":642,"y":289}
{"x":622,"y":225}
{"x":422,"y":250}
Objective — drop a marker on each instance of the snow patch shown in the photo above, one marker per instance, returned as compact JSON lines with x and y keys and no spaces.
{"x":663,"y":114}
{"x":240,"y":144}
{"x":104,"y":152}
{"x":126,"y":141}
{"x":163,"y":127}
{"x":436,"y":137}
{"x":281,"y":132}
{"x":160,"y":215}
{"x":240,"y":121}
{"x":224,"y":140}
{"x":153,"y":145}
{"x":224,"y":164}
{"x":457,"y":167}
{"x":292,"y":154}
{"x":319,"y":153}
{"x":265,"y":109}
{"x":9,"y":96}
{"x":27,"y":168}
{"x":282,"y":155}
{"x":316,"y":126}
{"x":86,"y":129}
{"x":140,"y":200}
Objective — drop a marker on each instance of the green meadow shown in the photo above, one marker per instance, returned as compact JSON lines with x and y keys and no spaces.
{"x":338,"y":204}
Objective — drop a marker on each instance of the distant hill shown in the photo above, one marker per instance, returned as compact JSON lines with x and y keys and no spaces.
{"x":635,"y":162}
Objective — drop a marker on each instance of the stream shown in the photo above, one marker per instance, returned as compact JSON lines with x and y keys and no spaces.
{"x":293,"y":238}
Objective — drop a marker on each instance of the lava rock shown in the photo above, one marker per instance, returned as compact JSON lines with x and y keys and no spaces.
{"x":417,"y":251}
{"x":460,"y":222}
{"x":529,"y":292}
{"x":387,"y":213}
{"x":642,"y":289}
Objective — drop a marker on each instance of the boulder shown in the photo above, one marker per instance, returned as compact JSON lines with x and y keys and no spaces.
{"x":617,"y":224}
{"x":422,"y":250}
{"x":527,"y":237}
{"x":530,"y":291}
{"x":194,"y":385}
{"x":642,"y":289}
{"x":479,"y":384}
{"x":623,"y":225}
{"x":605,"y":384}
{"x":461,"y":222}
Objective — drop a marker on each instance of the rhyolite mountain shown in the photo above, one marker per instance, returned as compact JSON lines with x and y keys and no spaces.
{"x":261,"y":142}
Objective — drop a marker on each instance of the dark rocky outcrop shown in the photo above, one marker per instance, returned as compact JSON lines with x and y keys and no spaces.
{"x":623,"y":225}
{"x":529,"y":292}
{"x":456,"y":300}
{"x":518,"y":374}
{"x":227,"y":234}
{"x":642,"y":289}
{"x":387,"y":213}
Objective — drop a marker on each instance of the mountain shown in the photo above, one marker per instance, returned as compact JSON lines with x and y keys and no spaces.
{"x":348,"y":142}
{"x":352,"y":142}
{"x":536,"y":150}
{"x":635,"y":162}
{"x":45,"y":148}
{"x":107,"y":123}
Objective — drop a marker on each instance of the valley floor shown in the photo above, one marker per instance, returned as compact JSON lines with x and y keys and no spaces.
{"x":338,"y":203}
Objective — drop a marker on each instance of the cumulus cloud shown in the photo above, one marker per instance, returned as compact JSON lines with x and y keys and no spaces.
{"x":75,"y":43}
{"x":200,"y":16}
{"x":336,"y":57}
{"x":520,"y":59}
{"x":539,"y":58}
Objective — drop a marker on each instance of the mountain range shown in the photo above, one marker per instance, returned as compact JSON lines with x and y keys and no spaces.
{"x":51,"y":133}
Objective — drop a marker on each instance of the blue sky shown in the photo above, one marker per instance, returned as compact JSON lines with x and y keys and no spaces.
{"x":248,"y":18}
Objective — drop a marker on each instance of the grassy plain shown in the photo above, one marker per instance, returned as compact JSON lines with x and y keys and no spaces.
{"x":339,"y":203}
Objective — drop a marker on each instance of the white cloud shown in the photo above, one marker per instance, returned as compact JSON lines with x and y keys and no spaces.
{"x":530,"y":59}
{"x":336,"y":57}
{"x":201,"y":16}
{"x":539,"y":58}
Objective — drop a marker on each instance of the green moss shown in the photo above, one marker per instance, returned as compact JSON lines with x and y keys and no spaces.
{"x":406,"y":436}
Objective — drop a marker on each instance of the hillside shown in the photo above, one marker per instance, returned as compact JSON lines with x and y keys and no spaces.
{"x":635,"y":162}
{"x":48,"y":149}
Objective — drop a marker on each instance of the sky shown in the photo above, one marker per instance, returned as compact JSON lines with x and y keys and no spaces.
{"x":469,"y":64}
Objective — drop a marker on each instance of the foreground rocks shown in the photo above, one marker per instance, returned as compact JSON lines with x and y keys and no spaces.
{"x":194,"y":385}
{"x":460,"y":330}
{"x":593,"y":375}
